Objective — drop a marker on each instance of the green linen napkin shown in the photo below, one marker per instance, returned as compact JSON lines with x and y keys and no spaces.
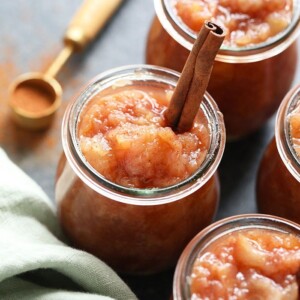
{"x":35,"y":263}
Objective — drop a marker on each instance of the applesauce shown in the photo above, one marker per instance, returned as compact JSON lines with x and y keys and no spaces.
{"x":124,"y":137}
{"x":256,"y":64}
{"x":278,"y":176}
{"x":247,"y":265}
{"x":242,"y":257}
{"x":125,"y":182}
{"x":246,"y":22}
{"x":294,"y":120}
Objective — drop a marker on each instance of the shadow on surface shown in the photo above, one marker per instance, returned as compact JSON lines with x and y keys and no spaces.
{"x":150,"y":286}
{"x":237,"y":172}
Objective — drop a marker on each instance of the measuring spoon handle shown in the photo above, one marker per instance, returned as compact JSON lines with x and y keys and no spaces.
{"x":88,"y":21}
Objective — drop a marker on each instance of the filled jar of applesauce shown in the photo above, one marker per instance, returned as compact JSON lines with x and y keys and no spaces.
{"x":129,"y":189}
{"x":241,"y":257}
{"x":256,"y":64}
{"x":278,"y":177}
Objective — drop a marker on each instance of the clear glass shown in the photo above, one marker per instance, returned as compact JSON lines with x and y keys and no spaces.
{"x":133,"y":229}
{"x":278,"y":177}
{"x":181,"y":288}
{"x":247,"y":83}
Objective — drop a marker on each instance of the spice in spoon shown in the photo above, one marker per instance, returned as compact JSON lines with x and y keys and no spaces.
{"x":32,"y":97}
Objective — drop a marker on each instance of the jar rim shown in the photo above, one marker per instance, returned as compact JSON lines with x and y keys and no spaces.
{"x":134,"y":195}
{"x":282,"y":132}
{"x":186,"y":37}
{"x":214,"y":232}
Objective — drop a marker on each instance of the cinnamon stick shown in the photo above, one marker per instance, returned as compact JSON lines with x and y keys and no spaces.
{"x":194,"y":79}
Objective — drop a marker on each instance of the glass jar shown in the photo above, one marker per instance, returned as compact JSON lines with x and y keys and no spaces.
{"x":137,"y":231}
{"x":247,"y":83}
{"x":278,"y":177}
{"x":215,"y":234}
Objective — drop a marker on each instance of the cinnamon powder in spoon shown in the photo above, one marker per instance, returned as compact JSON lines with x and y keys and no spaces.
{"x":32,"y":97}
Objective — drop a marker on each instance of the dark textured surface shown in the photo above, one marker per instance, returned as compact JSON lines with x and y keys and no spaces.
{"x":31,"y":33}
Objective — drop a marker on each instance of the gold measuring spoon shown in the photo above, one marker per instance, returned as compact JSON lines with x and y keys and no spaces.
{"x":35,"y":97}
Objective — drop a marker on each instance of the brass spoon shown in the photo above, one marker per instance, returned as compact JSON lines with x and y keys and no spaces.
{"x":42,"y":89}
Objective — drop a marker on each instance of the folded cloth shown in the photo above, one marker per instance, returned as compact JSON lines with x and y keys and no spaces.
{"x":35,"y":263}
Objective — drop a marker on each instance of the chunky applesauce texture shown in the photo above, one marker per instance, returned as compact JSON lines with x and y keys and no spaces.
{"x":123,"y":136}
{"x":294,"y":120}
{"x":246,"y":22}
{"x":248,"y":264}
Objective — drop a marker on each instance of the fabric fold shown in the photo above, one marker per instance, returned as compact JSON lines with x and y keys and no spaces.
{"x":31,"y":241}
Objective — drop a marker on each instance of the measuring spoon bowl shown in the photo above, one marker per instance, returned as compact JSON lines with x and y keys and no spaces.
{"x":34,"y":98}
